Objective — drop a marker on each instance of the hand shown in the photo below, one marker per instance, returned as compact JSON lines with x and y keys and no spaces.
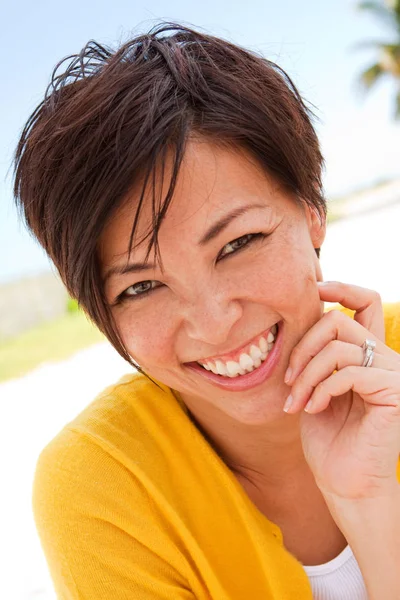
{"x":351,"y":430}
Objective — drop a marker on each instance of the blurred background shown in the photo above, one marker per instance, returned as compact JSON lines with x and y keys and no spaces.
{"x":344,"y":58}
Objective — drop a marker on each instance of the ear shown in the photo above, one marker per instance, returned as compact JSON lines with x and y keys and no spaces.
{"x":316,"y":225}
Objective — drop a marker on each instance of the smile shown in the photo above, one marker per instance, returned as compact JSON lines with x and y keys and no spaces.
{"x":246,"y":367}
{"x":245,"y":360}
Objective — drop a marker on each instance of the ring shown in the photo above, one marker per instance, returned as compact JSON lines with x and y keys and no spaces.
{"x":368,"y":347}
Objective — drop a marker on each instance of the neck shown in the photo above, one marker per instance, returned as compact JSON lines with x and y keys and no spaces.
{"x":267,"y":455}
{"x":269,"y":463}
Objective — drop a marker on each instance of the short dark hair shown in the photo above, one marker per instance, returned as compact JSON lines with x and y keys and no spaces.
{"x":108,"y":117}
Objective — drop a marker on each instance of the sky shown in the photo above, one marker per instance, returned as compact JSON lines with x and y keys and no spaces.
{"x":315,"y":41}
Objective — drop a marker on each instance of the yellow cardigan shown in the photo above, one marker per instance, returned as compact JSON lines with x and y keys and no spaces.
{"x":132,"y":503}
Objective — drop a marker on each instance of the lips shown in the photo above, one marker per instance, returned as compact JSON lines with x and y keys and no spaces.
{"x":245,"y":360}
{"x":247,"y":380}
{"x":234,"y":355}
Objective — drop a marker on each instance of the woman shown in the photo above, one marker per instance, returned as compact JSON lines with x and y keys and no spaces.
{"x":176,"y":184}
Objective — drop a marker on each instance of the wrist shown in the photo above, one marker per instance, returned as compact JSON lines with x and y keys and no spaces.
{"x":372,"y":529}
{"x":365,"y":510}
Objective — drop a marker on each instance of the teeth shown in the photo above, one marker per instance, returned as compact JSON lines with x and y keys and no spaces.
{"x":246,"y":363}
{"x":255,"y":353}
{"x":213,"y":368}
{"x":221,"y":368}
{"x":232,"y":368}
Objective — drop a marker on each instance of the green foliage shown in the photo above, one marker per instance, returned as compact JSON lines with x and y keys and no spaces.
{"x":388,"y":52}
{"x":72,"y":306}
{"x":370,"y":76}
{"x":50,"y":342}
{"x":397,"y":114}
{"x":387,"y":11}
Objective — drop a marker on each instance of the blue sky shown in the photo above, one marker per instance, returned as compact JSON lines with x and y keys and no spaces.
{"x":313,"y":40}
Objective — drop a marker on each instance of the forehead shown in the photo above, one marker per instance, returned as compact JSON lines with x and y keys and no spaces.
{"x":212,"y":181}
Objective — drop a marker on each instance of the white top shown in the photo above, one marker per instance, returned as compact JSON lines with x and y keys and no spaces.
{"x":338,"y":579}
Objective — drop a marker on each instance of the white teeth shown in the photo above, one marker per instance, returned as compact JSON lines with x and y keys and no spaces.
{"x":232,"y":368}
{"x":255,"y":353}
{"x":221,"y":369}
{"x":263,"y":344}
{"x":246,"y":363}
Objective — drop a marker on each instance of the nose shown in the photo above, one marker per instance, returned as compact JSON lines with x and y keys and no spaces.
{"x":210,"y":318}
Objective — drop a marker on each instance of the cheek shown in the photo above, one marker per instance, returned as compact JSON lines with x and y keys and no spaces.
{"x":284,"y":277}
{"x":149,"y":339}
{"x":284,"y":273}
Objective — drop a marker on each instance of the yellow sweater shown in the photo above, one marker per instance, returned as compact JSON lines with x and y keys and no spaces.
{"x":132,"y":503}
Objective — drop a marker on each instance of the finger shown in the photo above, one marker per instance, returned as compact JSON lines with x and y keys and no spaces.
{"x":375,"y":386}
{"x":335,"y":356}
{"x":334,"y":325}
{"x":366,"y":303}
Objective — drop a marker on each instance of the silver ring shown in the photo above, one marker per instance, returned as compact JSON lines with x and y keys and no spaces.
{"x":368,"y":347}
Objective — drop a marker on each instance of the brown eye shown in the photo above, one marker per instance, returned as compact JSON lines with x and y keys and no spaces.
{"x":239,"y":243}
{"x":142,"y":288}
{"x":139,"y":288}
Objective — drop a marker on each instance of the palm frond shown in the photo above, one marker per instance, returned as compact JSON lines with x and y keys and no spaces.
{"x":377,"y":44}
{"x":388,"y":16}
{"x":390,"y":59}
{"x":388,"y":53}
{"x":370,"y":76}
{"x":397,"y":106}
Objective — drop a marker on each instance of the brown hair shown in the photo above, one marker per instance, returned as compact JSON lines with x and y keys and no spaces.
{"x":108,"y":117}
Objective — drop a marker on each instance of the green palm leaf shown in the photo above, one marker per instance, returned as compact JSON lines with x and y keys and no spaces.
{"x":397,"y":108}
{"x":390,"y":59}
{"x":387,"y":12}
{"x":370,"y":76}
{"x":388,"y":53}
{"x":368,"y":44}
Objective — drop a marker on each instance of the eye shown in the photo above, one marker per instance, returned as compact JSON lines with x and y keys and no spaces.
{"x":240,"y":243}
{"x":142,"y":288}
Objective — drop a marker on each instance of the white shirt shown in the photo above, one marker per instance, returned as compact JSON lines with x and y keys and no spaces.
{"x":338,"y":579}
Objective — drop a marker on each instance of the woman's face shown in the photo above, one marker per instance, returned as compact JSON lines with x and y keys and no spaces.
{"x":238,"y":257}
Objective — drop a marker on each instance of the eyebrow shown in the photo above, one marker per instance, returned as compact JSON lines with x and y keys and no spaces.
{"x":210,"y":234}
{"x":220,"y":225}
{"x":135,"y":267}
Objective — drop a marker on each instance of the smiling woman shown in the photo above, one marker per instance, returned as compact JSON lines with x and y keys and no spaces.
{"x":176,"y":184}
{"x":241,"y":232}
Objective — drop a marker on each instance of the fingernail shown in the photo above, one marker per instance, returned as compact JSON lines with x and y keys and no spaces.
{"x":288,"y":374}
{"x":288,"y":403}
{"x":308,"y":406}
{"x":325,"y":282}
